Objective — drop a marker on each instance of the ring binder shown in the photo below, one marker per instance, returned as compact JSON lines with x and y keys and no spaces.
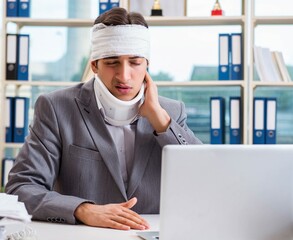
{"x":271,"y":119}
{"x":11,"y":9}
{"x":224,"y":59}
{"x":235,"y":120}
{"x":259,"y":117}
{"x":217,"y":120}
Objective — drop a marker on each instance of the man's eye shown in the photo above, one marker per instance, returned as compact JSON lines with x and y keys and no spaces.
{"x":111,"y":63}
{"x":136,"y":63}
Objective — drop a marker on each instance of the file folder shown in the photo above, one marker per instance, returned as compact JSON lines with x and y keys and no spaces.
{"x":7,"y":164}
{"x":23,"y":8}
{"x":11,"y":56}
{"x":224,"y":59}
{"x":271,"y":119}
{"x":235,"y":120}
{"x":11,"y":8}
{"x":21,"y":108}
{"x":236,"y":57}
{"x":23,"y":57}
{"x":105,"y":5}
{"x":217,"y":109}
{"x":259,"y":105}
{"x":9,"y":111}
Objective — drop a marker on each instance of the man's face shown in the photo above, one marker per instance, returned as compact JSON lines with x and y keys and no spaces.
{"x":122,"y":75}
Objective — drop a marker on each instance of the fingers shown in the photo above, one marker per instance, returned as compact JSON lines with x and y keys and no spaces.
{"x":151,"y":91}
{"x":117,"y":216}
{"x":131,"y":217}
{"x":147,"y":77}
{"x":149,"y":83}
{"x":130,"y":203}
{"x":127,"y":222}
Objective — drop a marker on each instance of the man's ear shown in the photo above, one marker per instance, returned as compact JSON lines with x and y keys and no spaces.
{"x":94,"y":66}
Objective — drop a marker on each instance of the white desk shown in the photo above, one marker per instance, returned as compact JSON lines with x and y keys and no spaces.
{"x":55,"y":231}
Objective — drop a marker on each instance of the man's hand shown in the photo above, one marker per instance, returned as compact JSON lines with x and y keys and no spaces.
{"x":117,"y":216}
{"x":151,"y":108}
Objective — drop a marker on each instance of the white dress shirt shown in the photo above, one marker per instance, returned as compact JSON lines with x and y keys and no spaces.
{"x":124,"y":138}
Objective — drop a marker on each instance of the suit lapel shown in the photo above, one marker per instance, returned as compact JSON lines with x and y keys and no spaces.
{"x":98,"y":131}
{"x":141,"y":154}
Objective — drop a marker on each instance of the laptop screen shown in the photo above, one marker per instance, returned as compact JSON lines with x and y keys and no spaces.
{"x":242,"y":192}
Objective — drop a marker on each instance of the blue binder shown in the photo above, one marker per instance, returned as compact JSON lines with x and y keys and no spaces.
{"x":7,"y":164}
{"x":105,"y":5}
{"x":23,"y":56}
{"x":217,"y":120}
{"x":259,"y":112}
{"x":11,"y":8}
{"x":21,"y":107}
{"x":114,"y":3}
{"x":9,"y":115}
{"x":236,"y":68}
{"x":235,"y":120}
{"x":224,"y":56}
{"x":271,"y":120}
{"x":23,"y":8}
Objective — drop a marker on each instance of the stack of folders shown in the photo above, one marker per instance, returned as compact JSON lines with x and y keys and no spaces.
{"x":217,"y":120}
{"x":17,"y":8}
{"x":17,"y":56}
{"x":230,"y":56}
{"x":105,"y":5}
{"x":16,"y":119}
{"x":264,"y":120}
{"x":7,"y":164}
{"x":270,"y":65}
{"x":14,"y":219}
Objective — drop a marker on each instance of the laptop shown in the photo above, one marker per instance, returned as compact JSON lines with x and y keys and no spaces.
{"x":229,"y":192}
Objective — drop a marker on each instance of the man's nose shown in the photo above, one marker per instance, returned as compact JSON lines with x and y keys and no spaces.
{"x":124,"y":72}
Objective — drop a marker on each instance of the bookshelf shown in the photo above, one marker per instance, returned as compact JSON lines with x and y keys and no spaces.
{"x":253,"y":84}
{"x":247,"y":21}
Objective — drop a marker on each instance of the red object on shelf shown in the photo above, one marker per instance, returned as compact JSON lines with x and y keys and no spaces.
{"x":217,"y":12}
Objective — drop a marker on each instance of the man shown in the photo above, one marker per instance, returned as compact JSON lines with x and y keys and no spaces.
{"x":93,"y":154}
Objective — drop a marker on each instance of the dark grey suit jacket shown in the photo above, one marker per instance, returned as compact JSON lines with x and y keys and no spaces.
{"x":69,"y":157}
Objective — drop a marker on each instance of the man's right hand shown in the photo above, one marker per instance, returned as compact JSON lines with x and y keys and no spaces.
{"x":116,"y":216}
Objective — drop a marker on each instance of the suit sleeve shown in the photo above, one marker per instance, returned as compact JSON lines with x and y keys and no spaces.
{"x":34,"y":174}
{"x":178,"y":131}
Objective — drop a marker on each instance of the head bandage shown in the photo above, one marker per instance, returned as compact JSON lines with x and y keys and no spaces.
{"x":111,"y":41}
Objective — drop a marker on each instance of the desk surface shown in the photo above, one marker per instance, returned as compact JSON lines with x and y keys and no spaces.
{"x":53,"y":231}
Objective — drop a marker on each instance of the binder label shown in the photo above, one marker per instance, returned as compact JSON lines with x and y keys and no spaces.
{"x":11,"y":49}
{"x":23,"y":53}
{"x":7,"y":113}
{"x":216,"y":115}
{"x":20,"y":113}
{"x":271,"y":113}
{"x":259,"y":115}
{"x":235,"y":117}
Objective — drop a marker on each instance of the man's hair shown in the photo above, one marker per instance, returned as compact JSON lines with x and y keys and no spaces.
{"x":120,"y":16}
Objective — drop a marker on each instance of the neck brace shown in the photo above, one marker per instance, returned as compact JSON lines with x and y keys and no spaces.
{"x":115,"y":111}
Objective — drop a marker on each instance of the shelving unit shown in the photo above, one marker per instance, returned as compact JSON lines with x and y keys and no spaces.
{"x":252,"y":83}
{"x":152,"y":21}
{"x":247,"y":21}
